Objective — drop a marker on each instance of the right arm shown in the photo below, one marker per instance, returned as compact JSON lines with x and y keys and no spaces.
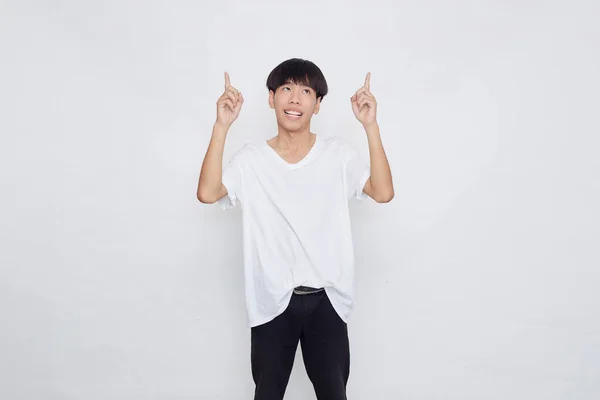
{"x":210,"y":184}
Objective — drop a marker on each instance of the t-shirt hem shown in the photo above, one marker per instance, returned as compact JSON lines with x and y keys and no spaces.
{"x":261,"y":321}
{"x":332,"y":299}
{"x":360,"y":194}
{"x":230,"y":199}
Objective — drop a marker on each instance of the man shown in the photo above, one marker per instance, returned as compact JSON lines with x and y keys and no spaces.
{"x":298,"y":253}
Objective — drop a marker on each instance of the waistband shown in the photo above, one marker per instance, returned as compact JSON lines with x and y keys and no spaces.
{"x":307,"y":290}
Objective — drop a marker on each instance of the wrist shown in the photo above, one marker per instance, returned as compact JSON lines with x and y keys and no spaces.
{"x":371,"y":127}
{"x":220,"y":129}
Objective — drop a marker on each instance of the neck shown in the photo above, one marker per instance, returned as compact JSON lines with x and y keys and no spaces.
{"x":298,"y":139}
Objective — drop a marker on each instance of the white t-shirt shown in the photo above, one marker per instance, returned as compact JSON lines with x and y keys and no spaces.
{"x":296,"y":222}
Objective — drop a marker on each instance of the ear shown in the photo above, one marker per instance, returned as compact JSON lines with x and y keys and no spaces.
{"x":271,"y":99}
{"x":317,"y":106}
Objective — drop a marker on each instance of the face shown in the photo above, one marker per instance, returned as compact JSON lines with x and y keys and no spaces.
{"x":294,"y":105}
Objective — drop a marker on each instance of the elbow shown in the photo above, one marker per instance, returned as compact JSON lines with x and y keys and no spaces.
{"x":205,"y":198}
{"x":201,"y":198}
{"x":385,"y":197}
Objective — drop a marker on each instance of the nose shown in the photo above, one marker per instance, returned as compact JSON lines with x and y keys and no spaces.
{"x":294,"y":98}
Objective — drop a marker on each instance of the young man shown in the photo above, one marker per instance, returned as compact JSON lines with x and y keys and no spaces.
{"x":298,"y":253}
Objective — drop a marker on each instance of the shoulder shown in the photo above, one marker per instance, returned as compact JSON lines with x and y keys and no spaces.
{"x":246,"y":152}
{"x":331,"y":141}
{"x":339,"y":145}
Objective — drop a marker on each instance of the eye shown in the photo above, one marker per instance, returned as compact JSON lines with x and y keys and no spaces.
{"x":307,"y":90}
{"x":285,"y":87}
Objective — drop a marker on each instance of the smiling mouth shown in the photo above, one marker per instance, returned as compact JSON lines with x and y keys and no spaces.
{"x":293,"y":114}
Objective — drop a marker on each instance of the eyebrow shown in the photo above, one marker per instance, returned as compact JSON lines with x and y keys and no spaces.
{"x":292,"y":83}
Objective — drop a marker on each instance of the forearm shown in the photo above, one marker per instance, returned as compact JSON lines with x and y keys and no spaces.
{"x":381,"y":175}
{"x":210,"y":181}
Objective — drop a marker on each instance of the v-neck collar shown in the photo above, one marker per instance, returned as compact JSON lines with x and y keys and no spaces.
{"x":306,"y":159}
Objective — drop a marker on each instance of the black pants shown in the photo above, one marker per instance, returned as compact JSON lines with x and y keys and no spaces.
{"x":310,"y":319}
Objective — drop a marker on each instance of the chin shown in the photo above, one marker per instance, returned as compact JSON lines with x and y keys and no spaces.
{"x":293,"y":127}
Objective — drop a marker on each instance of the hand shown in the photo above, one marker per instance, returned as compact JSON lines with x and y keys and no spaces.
{"x":229,"y":104}
{"x":364,"y":104}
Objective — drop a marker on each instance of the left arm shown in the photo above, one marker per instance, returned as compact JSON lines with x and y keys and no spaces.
{"x":379,"y":186}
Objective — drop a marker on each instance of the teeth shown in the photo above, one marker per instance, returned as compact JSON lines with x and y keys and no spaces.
{"x":292,"y":113}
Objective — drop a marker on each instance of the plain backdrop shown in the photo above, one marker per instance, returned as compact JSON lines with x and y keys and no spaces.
{"x":480,"y":280}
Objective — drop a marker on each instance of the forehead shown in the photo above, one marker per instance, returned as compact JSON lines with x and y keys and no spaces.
{"x":292,"y":82}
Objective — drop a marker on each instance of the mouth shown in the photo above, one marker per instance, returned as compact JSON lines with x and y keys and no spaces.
{"x":293,"y":115}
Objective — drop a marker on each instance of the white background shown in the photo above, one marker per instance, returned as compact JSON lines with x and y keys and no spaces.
{"x":478,"y":281}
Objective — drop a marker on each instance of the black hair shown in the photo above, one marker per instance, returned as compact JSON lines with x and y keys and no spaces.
{"x":300,"y":72}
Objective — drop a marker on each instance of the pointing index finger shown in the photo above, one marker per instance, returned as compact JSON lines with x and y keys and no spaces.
{"x":368,"y":81}
{"x":227,"y":84}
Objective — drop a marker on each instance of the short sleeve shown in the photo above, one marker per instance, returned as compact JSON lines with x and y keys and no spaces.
{"x":356,"y":173}
{"x":232,"y":180}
